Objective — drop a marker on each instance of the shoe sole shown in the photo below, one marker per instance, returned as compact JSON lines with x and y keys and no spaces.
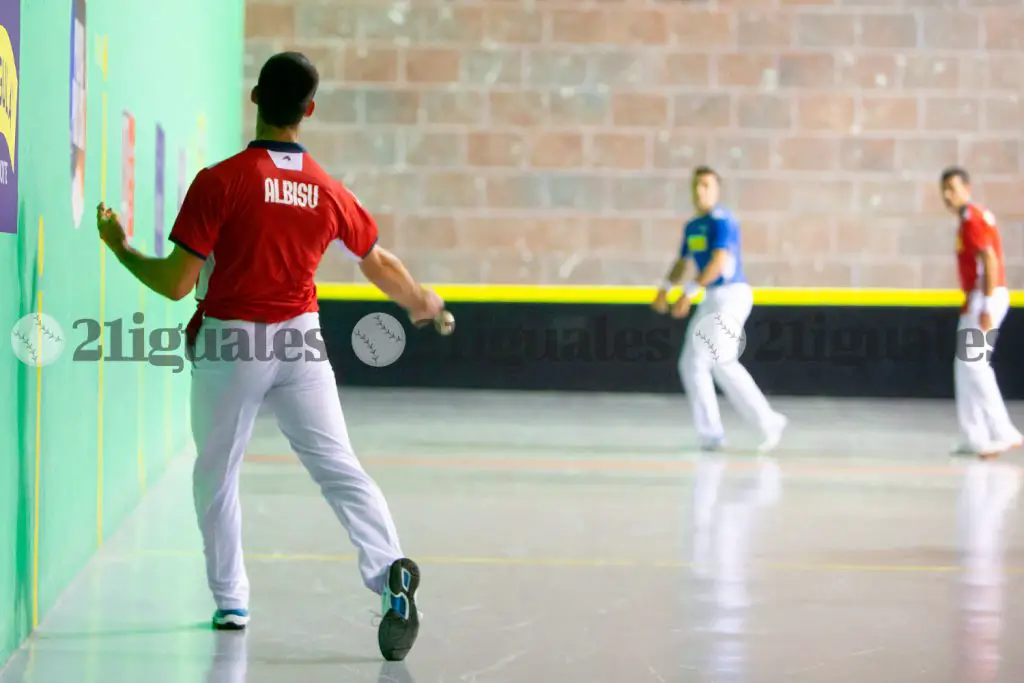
{"x":231,"y":623}
{"x":396,"y":635}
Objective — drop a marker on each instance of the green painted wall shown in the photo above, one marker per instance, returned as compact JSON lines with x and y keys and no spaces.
{"x":175,"y":63}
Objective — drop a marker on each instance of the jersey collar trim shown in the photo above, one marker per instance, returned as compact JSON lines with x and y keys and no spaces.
{"x":275,"y":146}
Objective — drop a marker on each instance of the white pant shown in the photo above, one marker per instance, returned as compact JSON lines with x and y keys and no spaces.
{"x":303,"y":394}
{"x":699,"y":373}
{"x":984,"y":423}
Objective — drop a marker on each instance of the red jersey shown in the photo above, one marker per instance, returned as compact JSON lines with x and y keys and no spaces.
{"x":262,"y":221}
{"x":978,"y":232}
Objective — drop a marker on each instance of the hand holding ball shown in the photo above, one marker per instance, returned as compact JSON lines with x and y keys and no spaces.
{"x":433,"y":310}
{"x":444,"y":323}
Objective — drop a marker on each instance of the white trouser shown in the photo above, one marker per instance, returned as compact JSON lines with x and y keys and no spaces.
{"x":699,"y":373}
{"x":303,"y":394}
{"x":984,"y":422}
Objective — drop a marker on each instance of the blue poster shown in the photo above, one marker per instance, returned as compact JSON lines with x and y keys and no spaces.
{"x":158,"y":239}
{"x":10,"y":50}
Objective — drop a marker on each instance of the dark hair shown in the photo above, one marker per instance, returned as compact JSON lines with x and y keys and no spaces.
{"x":287,"y":84}
{"x":956,"y":172}
{"x":702,"y":171}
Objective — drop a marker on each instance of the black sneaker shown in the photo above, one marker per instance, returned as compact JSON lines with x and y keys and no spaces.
{"x":400,"y":624}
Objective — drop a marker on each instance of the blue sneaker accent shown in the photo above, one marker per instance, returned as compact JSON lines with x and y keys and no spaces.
{"x":230,"y":619}
{"x":400,"y":604}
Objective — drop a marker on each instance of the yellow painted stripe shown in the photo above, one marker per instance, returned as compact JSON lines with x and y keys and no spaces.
{"x":580,"y":562}
{"x":39,"y":440}
{"x":99,"y":410}
{"x":140,"y":414}
{"x":103,"y":149}
{"x":168,"y":445}
{"x":763,"y":296}
{"x":103,"y":300}
{"x":35,"y":515}
{"x":104,"y":47}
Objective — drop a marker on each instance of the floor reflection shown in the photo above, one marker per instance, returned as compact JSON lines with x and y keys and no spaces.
{"x":230,"y":660}
{"x":989,"y":491}
{"x":725,"y":514}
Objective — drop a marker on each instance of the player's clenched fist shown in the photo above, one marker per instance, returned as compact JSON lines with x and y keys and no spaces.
{"x":660,"y":303}
{"x":428,"y":307}
{"x":681,"y":308}
{"x":109,"y":227}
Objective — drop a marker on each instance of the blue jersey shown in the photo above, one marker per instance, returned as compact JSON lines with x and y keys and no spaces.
{"x":705,"y":234}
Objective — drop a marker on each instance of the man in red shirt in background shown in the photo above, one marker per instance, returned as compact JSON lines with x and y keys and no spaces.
{"x":984,"y":421}
{"x":249,"y":238}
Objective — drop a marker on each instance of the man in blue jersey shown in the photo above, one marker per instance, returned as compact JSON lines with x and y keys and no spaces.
{"x":712,"y":241}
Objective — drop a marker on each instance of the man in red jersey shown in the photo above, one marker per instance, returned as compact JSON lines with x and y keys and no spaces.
{"x":984,"y":422}
{"x":249,"y":238}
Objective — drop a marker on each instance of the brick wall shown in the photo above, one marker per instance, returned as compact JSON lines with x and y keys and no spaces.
{"x":547,"y":141}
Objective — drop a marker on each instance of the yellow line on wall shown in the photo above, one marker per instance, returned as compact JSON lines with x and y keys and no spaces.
{"x":568,"y":294}
{"x":99,"y":403}
{"x":141,"y":414}
{"x":39,"y":435}
{"x":168,"y":446}
{"x":103,"y":297}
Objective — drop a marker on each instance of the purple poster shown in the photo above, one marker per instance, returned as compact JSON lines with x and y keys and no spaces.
{"x":182,"y":176}
{"x":158,"y":238}
{"x":10,"y":50}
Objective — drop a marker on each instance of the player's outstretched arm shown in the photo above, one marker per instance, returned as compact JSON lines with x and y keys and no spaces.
{"x":172,"y":277}
{"x":389,"y":274}
{"x":675,"y":274}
